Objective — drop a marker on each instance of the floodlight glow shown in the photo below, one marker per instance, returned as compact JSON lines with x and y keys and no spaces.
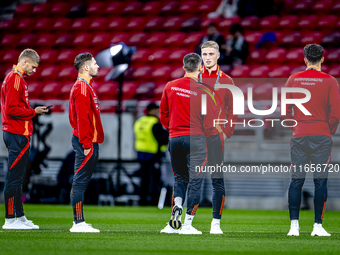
{"x":114,"y":50}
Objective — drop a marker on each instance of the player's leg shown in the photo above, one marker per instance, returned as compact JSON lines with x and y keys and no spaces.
{"x":215,"y":145}
{"x":299,"y":158}
{"x":84,"y":168}
{"x":18,"y":150}
{"x":196,"y":160}
{"x":320,"y":157}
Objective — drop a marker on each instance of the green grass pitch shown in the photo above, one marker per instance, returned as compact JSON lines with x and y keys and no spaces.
{"x":135,"y":230}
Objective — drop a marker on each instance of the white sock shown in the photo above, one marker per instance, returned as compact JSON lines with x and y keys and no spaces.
{"x":188,"y":219}
{"x":178,"y":201}
{"x":295,"y":223}
{"x":10,"y":220}
{"x":22,"y":218}
{"x":216,"y":221}
{"x":318,"y":224}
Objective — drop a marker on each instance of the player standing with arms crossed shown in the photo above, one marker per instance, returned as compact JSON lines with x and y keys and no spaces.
{"x":311,"y":141}
{"x":181,"y":114}
{"x":84,"y":115}
{"x":18,"y":127}
{"x":212,"y":75}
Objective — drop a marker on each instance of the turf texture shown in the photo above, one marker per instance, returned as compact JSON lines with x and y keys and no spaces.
{"x":135,"y":230}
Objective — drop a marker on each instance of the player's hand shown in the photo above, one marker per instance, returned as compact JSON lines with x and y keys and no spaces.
{"x":87,"y":151}
{"x":40,"y":110}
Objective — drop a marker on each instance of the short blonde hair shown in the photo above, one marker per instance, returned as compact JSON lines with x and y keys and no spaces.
{"x":30,"y":54}
{"x":210,"y":44}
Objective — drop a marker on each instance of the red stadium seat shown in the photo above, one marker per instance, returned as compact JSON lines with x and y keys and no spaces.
{"x":63,"y":41}
{"x":98,"y":24}
{"x":154,"y":24}
{"x":259,"y":72}
{"x":326,"y":24}
{"x":119,"y":37}
{"x":27,"y":41}
{"x":331,"y":40}
{"x":141,"y":57}
{"x":45,"y":41}
{"x":137,"y":39}
{"x":175,"y":40}
{"x":288,"y":22}
{"x":34,"y":88}
{"x":312,"y":37}
{"x":240,"y":71}
{"x":176,"y":56}
{"x":303,"y":6}
{"x":113,"y":8}
{"x":65,"y":90}
{"x":108,"y":90}
{"x":177,"y":73}
{"x":206,"y":21}
{"x":291,"y":39}
{"x":252,"y":37}
{"x":250,"y":23}
{"x":11,"y":57}
{"x":66,"y":57}
{"x":95,"y":9}
{"x":9,"y":41}
{"x":207,"y":6}
{"x":161,"y":73}
{"x":100,"y":41}
{"x":225,"y":24}
{"x":62,"y":25}
{"x":48,"y":56}
{"x":142,"y":73}
{"x":80,"y":25}
{"x":132,"y":8}
{"x":187,"y":8}
{"x":156,"y":40}
{"x":172,"y":23}
{"x":298,"y":69}
{"x":41,"y":10}
{"x":256,"y":57}
{"x":83,"y":50}
{"x":294,"y":57}
{"x":135,"y":24}
{"x":43,"y":25}
{"x":169,"y":8}
{"x":6,"y":26}
{"x":193,"y":39}
{"x":333,"y":56}
{"x":145,"y":91}
{"x":335,"y":72}
{"x":307,"y":22}
{"x":129,"y":89}
{"x":50,"y":90}
{"x":191,"y":24}
{"x":269,"y":23}
{"x":25,"y":25}
{"x":336,"y":7}
{"x":82,"y":40}
{"x":49,"y":73}
{"x":280,"y":72}
{"x":322,"y":7}
{"x":159,"y":56}
{"x":68,"y":73}
{"x":60,"y":9}
{"x":23,"y":10}
{"x":103,"y":71}
{"x":158,"y":92}
{"x":275,"y":56}
{"x":117,"y":24}
{"x":151,"y":8}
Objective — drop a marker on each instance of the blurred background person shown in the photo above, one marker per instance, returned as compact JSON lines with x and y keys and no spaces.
{"x":237,"y":48}
{"x":227,"y":9}
{"x":150,"y":143}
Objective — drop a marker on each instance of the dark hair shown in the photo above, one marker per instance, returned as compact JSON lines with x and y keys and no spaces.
{"x":30,"y":54}
{"x":212,"y":24}
{"x":191,"y":62}
{"x":80,"y":60}
{"x":235,"y":28}
{"x":313,"y":53}
{"x":151,"y":106}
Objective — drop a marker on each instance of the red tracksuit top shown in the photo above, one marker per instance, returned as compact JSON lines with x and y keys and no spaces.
{"x":84,"y":113}
{"x":324,"y":104}
{"x":15,"y":109}
{"x":180,"y":109}
{"x":223,"y":97}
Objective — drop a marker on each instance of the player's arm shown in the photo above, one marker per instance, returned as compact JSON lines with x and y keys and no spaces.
{"x":13,"y":93}
{"x":289,"y":107}
{"x":229,"y":130}
{"x":164,"y":110}
{"x":83,"y":110}
{"x":334,"y":106}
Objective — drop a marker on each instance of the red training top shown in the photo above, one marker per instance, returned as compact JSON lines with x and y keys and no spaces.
{"x":180,"y":109}
{"x":84,"y":113}
{"x":223,"y":97}
{"x":15,"y":108}
{"x":324,"y":104}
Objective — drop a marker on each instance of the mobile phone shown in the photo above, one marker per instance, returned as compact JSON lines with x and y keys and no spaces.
{"x":48,"y":107}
